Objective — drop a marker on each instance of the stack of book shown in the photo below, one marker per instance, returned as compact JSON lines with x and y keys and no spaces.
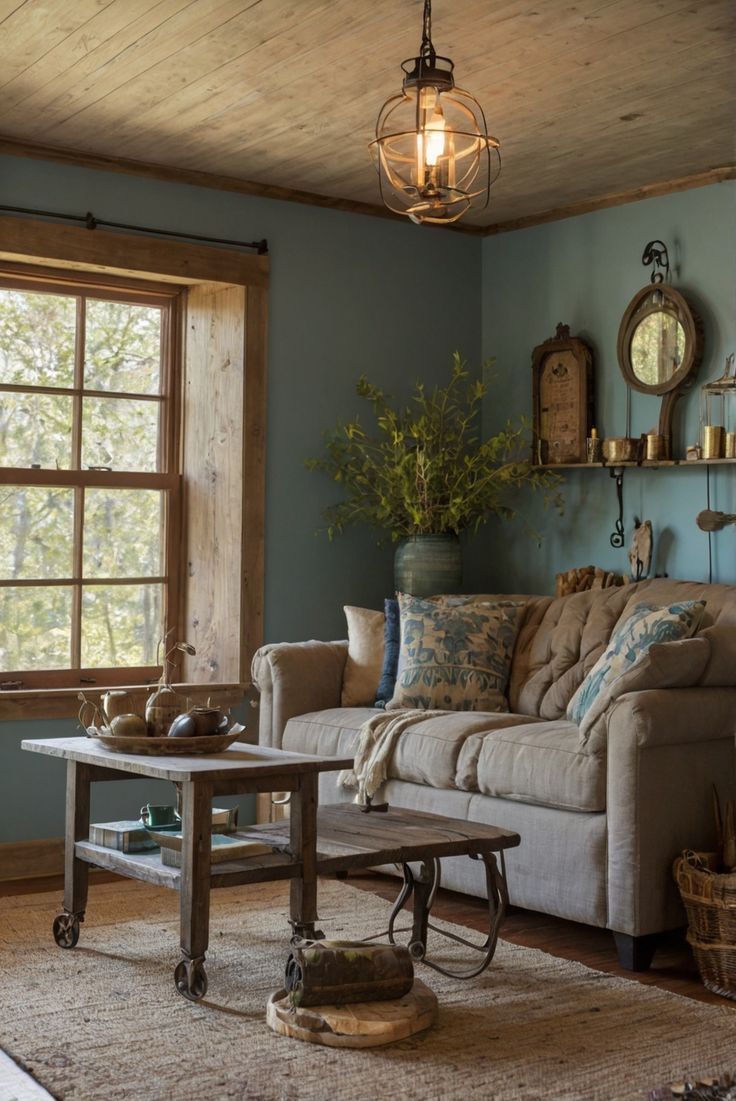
{"x":224,"y":847}
{"x":126,"y":836}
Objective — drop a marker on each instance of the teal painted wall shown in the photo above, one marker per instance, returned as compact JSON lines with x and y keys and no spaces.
{"x":349,"y":294}
{"x":352,"y":294}
{"x":584,"y":271}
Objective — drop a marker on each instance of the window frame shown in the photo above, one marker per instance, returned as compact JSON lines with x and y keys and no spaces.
{"x":168,"y":297}
{"x":135,"y":260}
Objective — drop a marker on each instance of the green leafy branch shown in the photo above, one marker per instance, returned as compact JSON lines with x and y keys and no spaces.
{"x":424,"y":469}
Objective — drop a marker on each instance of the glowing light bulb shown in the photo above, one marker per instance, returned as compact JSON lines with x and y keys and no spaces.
{"x":435,"y":136}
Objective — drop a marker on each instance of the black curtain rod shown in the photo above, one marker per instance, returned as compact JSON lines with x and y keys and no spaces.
{"x":91,"y":222}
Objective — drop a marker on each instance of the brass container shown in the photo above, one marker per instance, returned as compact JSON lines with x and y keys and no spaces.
{"x":730,"y":448}
{"x":713,"y":441}
{"x":658,"y":447}
{"x":620,"y":449}
{"x":594,"y":449}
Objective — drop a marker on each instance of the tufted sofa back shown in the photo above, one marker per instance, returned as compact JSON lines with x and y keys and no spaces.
{"x":561,"y":638}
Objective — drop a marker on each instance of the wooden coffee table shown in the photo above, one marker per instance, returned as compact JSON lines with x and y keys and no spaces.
{"x":239,"y":769}
{"x":349,"y":838}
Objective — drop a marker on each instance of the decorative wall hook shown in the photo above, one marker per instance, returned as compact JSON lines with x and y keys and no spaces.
{"x":707,"y":520}
{"x":655,"y":252}
{"x":617,"y":537}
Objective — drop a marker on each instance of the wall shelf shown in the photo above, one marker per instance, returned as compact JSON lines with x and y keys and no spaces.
{"x":650,"y":464}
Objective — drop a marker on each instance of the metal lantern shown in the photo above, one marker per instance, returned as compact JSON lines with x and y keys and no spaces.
{"x":434,"y":157}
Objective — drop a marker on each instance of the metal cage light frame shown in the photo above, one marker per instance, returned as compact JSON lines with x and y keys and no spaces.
{"x":434,"y":156}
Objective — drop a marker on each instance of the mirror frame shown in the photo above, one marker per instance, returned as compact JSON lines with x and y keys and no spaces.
{"x":674,"y":304}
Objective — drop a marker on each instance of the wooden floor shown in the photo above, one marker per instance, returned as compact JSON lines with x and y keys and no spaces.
{"x":673,"y":967}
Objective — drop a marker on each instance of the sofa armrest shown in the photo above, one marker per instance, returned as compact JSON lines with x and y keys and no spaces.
{"x":673,"y":716}
{"x":294,"y":678}
{"x":666,"y":748}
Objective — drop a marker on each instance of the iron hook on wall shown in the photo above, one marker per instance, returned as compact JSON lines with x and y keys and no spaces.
{"x":617,"y":537}
{"x":655,"y":253}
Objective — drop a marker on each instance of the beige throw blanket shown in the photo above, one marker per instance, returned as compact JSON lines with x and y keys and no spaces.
{"x":377,"y":740}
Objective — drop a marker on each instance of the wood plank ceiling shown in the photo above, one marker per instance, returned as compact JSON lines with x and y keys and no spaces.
{"x":590,"y":99}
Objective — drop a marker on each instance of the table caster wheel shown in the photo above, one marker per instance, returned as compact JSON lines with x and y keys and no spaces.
{"x":190,"y":979}
{"x":417,"y":950}
{"x":66,"y":930}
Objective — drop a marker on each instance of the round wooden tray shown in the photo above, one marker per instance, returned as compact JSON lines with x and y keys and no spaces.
{"x":358,"y":1024}
{"x":167,"y":747}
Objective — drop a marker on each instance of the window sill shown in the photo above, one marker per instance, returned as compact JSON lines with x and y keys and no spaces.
{"x":63,"y":703}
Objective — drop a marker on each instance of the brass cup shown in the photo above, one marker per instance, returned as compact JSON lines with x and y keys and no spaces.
{"x":730,"y":448}
{"x":657,"y":447}
{"x":620,"y":449}
{"x":713,"y":441}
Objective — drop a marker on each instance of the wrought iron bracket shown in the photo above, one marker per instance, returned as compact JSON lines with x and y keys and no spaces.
{"x":617,"y":536}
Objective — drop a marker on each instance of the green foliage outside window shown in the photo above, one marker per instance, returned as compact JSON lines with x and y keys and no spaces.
{"x":122,"y":527}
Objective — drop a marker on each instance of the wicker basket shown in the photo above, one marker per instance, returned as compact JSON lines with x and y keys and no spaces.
{"x":710,"y":901}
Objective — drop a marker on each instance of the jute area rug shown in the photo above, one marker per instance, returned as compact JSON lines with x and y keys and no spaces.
{"x":103,"y":1021}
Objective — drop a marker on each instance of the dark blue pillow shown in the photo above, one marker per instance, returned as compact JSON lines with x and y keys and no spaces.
{"x":391,"y":646}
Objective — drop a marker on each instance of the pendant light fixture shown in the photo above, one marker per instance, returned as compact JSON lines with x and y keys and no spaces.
{"x":434,"y":156}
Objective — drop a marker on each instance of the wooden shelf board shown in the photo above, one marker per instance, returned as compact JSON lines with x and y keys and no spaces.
{"x":649,"y":464}
{"x":147,"y":866}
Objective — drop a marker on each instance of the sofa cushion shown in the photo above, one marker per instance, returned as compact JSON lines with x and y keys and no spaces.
{"x":645,"y":625}
{"x":543,"y":763}
{"x":455,"y":658}
{"x":365,"y":657}
{"x":427,"y":752}
{"x":664,"y":665}
{"x":333,"y":732}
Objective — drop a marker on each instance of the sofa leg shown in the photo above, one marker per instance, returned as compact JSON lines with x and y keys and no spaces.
{"x":636,"y":953}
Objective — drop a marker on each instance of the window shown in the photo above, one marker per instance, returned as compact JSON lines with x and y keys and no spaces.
{"x":89,"y":482}
{"x":208,"y":476}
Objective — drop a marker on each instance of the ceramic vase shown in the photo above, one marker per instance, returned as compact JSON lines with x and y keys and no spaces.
{"x":425,"y":565}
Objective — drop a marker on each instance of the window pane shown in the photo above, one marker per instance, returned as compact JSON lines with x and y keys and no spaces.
{"x":122,"y":532}
{"x":120,"y":434}
{"x":37,"y":338}
{"x":123,"y":347}
{"x":36,"y":532}
{"x":35,"y":631}
{"x":35,"y":430}
{"x":121,"y":625}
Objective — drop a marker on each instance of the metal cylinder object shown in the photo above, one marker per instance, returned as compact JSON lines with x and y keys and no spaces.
{"x":620,"y":449}
{"x":594,"y":449}
{"x":713,"y":441}
{"x":730,"y":448}
{"x":657,"y":447}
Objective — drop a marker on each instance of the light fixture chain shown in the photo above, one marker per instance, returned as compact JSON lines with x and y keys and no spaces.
{"x":427,"y":49}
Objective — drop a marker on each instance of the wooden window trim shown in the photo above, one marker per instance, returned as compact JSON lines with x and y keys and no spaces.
{"x":29,"y":247}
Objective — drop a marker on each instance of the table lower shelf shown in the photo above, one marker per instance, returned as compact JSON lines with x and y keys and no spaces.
{"x":147,"y":866}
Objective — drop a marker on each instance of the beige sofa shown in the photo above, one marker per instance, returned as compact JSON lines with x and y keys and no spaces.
{"x":601,"y":814}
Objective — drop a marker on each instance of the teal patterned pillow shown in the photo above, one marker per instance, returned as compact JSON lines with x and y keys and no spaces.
{"x":455,"y":658}
{"x":629,"y":643}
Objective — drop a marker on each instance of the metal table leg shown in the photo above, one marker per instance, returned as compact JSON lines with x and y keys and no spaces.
{"x":424,"y":888}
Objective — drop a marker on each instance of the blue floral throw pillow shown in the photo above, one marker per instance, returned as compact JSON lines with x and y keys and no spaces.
{"x":629,"y":643}
{"x":455,"y":658}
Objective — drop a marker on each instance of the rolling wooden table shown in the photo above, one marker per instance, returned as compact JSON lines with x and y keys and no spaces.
{"x":238,"y":770}
{"x":350,"y":837}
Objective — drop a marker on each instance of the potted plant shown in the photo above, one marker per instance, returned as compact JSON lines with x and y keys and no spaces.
{"x":425,"y":474}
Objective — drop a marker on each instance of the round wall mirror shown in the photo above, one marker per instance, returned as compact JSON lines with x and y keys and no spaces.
{"x":660,"y":346}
